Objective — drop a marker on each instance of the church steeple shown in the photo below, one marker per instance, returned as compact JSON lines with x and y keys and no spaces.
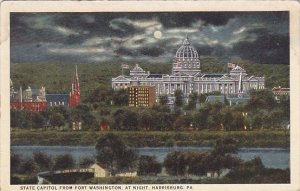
{"x":74,"y":98}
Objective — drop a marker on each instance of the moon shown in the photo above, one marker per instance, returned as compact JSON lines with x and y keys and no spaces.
{"x":157,"y":34}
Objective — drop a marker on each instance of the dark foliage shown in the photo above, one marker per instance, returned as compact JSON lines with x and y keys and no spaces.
{"x":148,"y":165}
{"x":64,"y":161}
{"x":113,"y":152}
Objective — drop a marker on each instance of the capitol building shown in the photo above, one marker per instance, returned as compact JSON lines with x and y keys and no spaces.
{"x":186,"y":75}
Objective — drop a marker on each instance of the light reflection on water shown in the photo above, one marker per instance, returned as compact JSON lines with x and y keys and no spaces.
{"x":271,"y":157}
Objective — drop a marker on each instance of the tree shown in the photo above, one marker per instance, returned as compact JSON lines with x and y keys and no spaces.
{"x":15,"y":161}
{"x":257,"y":121}
{"x":64,"y":161}
{"x":128,"y":161}
{"x":111,"y":150}
{"x":246,"y":171}
{"x":261,"y":99}
{"x":148,"y":166}
{"x":125,"y":119}
{"x":118,"y":119}
{"x":82,"y":113}
{"x":166,"y":121}
{"x":85,"y":162}
{"x":224,"y":146}
{"x":192,"y":101}
{"x":220,"y":157}
{"x":29,"y":166}
{"x":43,"y":161}
{"x":226,"y":117}
{"x":200,"y":118}
{"x":38,"y":121}
{"x":238,"y":121}
{"x":175,"y":163}
{"x":20,"y":118}
{"x":178,"y":98}
{"x":89,"y":121}
{"x":130,"y":120}
{"x":16,"y":118}
{"x":101,"y":94}
{"x":146,"y":119}
{"x":120,"y":97}
{"x":214,"y":118}
{"x":198,"y":163}
{"x":57,"y":120}
{"x":163,"y":99}
{"x":62,"y":110}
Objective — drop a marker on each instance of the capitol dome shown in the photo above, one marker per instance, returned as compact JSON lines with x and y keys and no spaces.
{"x":186,"y":51}
{"x":186,"y":59}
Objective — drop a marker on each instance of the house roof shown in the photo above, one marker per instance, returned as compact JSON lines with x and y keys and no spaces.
{"x":100,"y":165}
{"x":57,"y":97}
{"x":121,"y":78}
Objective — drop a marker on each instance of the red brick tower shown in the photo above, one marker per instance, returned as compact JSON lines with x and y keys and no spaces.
{"x":74,"y":98}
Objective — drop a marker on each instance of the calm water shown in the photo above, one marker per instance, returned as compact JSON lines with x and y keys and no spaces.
{"x":271,"y":157}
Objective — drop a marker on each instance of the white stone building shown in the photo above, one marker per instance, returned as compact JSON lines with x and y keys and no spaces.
{"x":187,"y":76}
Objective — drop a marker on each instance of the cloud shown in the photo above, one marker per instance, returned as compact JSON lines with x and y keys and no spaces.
{"x":123,"y":25}
{"x":268,"y":48}
{"x":89,"y":37}
{"x":152,"y":51}
{"x":239,"y":31}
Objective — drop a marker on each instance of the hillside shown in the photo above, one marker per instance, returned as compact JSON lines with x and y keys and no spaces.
{"x":57,"y":77}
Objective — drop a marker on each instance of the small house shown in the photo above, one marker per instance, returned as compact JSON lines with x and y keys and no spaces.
{"x":104,"y":126}
{"x":100,"y":170}
{"x":127,"y":174}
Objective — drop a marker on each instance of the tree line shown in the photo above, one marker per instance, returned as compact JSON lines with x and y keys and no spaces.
{"x":115,"y":154}
{"x":261,"y":111}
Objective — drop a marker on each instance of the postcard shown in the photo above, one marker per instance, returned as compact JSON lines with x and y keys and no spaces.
{"x":149,"y":95}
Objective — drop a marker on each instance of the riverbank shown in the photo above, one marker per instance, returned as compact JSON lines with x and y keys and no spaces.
{"x":256,"y":138}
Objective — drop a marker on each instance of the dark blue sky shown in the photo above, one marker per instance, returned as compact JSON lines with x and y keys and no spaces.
{"x":261,"y":37}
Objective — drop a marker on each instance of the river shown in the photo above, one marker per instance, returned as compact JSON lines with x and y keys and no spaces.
{"x":271,"y":157}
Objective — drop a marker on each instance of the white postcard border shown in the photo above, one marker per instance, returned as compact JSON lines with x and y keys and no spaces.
{"x":151,"y":6}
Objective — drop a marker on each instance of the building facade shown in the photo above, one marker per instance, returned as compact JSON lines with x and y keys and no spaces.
{"x":28,"y":99}
{"x":141,"y":96}
{"x":37,"y":99}
{"x":187,"y":76}
{"x":279,"y":91}
{"x":57,"y":100}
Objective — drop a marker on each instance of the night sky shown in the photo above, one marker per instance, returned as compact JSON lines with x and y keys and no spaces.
{"x":261,"y":37}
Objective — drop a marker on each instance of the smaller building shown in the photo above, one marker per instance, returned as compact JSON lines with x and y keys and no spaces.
{"x":76,"y":126}
{"x":127,"y":174}
{"x":28,"y":99}
{"x":100,"y":170}
{"x":57,"y":100}
{"x":141,"y":96}
{"x":279,"y":91}
{"x":104,"y":126}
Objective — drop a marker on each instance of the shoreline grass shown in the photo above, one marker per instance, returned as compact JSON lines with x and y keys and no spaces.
{"x":255,"y":138}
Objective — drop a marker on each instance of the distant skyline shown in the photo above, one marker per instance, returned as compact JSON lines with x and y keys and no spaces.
{"x":261,"y":37}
